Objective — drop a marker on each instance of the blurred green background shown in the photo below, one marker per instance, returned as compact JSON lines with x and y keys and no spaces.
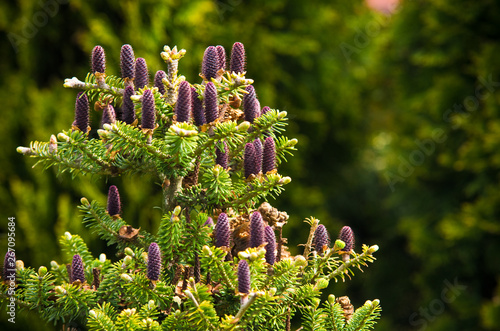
{"x":397,"y":117}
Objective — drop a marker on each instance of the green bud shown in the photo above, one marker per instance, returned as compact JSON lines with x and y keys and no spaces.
{"x":339,"y":244}
{"x":102,"y":133}
{"x":84,"y":201}
{"x":60,"y":290}
{"x":254,"y":256}
{"x":144,"y":256}
{"x":19,"y":265}
{"x":177,"y":210}
{"x":92,"y":313}
{"x":151,"y":305}
{"x":63,"y":137}
{"x":126,"y":278}
{"x":285,"y":180}
{"x":316,"y":302}
{"x":367,"y":303}
{"x":42,"y":271}
{"x":272,"y":291}
{"x":322,"y":283}
{"x":102,"y":258}
{"x":68,"y":235}
{"x":243,"y":126}
{"x":292,"y":142}
{"x":300,"y":261}
{"x":243,"y":255}
{"x":128,"y":251}
{"x":54,"y":265}
{"x":206,"y":250}
{"x":107,"y":127}
{"x":331,"y":299}
{"x":282,"y":114}
{"x":373,"y":249}
{"x":24,"y":150}
{"x":126,"y":261}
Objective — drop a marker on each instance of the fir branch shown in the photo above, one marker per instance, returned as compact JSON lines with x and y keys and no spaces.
{"x":364,"y":318}
{"x":314,"y":224}
{"x":356,"y":260}
{"x":214,"y":257}
{"x":112,"y":85}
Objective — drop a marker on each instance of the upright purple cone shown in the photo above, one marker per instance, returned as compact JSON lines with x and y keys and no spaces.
{"x":221,"y":56}
{"x":347,"y":236}
{"x":249,"y":160}
{"x":251,"y":106}
{"x":258,"y":154}
{"x":114,"y":206}
{"x":222,"y":232}
{"x":141,"y":73}
{"x":9,"y":266}
{"x":270,"y":239}
{"x":222,"y":156}
{"x":209,"y":222}
{"x":265,"y":110}
{"x":154,"y":261}
{"x":197,"y":108}
{"x":98,"y":60}
{"x":237,"y":63}
{"x":269,"y":155}
{"x":256,"y":229}
{"x":128,"y":111}
{"x":160,"y":74}
{"x":148,"y":110}
{"x":127,"y":61}
{"x":81,"y":112}
{"x":211,"y":104}
{"x":77,"y":271}
{"x":183,"y":105}
{"x":108,"y":115}
{"x":210,"y":64}
{"x":321,"y":239}
{"x":243,"y":277}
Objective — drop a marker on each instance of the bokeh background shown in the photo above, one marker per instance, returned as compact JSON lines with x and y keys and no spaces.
{"x":396,"y":108}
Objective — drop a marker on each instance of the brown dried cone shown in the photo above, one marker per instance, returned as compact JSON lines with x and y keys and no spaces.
{"x":128,"y":111}
{"x":96,"y":272}
{"x":222,"y":156}
{"x":347,"y":307}
{"x":98,"y":60}
{"x":127,"y":62}
{"x":81,"y":113}
{"x":114,"y":204}
{"x":77,"y":272}
{"x":269,"y":156}
{"x":159,"y":76}
{"x":211,"y":103}
{"x":210,"y":64}
{"x":272,"y":216}
{"x":347,"y":236}
{"x":237,"y":63}
{"x":141,"y":73}
{"x":256,"y":229}
{"x":183,"y":105}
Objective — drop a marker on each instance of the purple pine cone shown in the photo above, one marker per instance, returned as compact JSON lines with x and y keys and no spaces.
{"x":148,"y":110}
{"x":160,"y":74}
{"x":270,"y":239}
{"x":269,"y":155}
{"x":222,"y":157}
{"x":197,"y":107}
{"x":141,"y":73}
{"x":209,"y":222}
{"x":114,"y":206}
{"x":243,"y":277}
{"x":221,"y":55}
{"x":347,"y":236}
{"x":211,"y":104}
{"x":251,"y":106}
{"x":321,"y":239}
{"x":210,"y":64}
{"x":154,"y":261}
{"x":77,"y":272}
{"x":256,"y":229}
{"x":128,"y":115}
{"x":98,"y":60}
{"x":237,"y":63}
{"x":127,"y":61}
{"x":9,"y":266}
{"x":258,"y":154}
{"x":265,"y":110}
{"x":249,"y":160}
{"x":81,"y":112}
{"x":183,"y":105}
{"x":108,"y":115}
{"x":222,"y":232}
